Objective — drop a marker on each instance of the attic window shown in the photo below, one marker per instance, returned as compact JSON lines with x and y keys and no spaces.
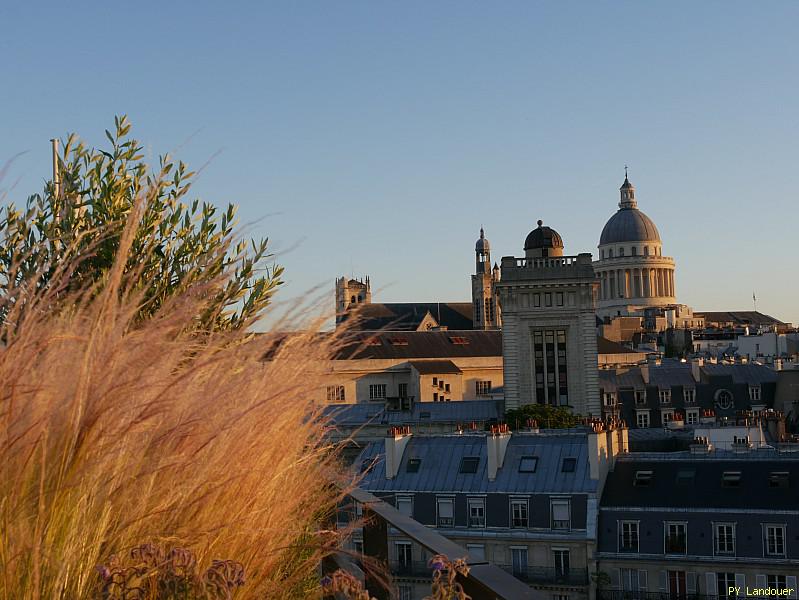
{"x":398,"y":341}
{"x":778,"y":479}
{"x":459,"y":340}
{"x":642,"y":478}
{"x":425,"y":414}
{"x":731,"y":479}
{"x":569,"y":465}
{"x":686,"y":477}
{"x":469,"y":464}
{"x":413,"y":465}
{"x":528,"y":464}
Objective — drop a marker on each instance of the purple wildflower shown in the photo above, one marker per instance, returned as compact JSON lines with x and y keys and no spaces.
{"x":326,"y":581}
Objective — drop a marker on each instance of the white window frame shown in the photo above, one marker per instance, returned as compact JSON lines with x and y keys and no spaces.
{"x":620,"y":536}
{"x":336,"y":393}
{"x":666,"y":416}
{"x":716,"y":548}
{"x":754,"y":393}
{"x":664,"y":396}
{"x":666,"y":525}
{"x":520,"y":502}
{"x":405,"y":499}
{"x":775,"y":526}
{"x":560,"y":502}
{"x":689,"y":395}
{"x":404,"y":544}
{"x":445,"y":500}
{"x":470,"y":548}
{"x":479,"y":503}
{"x":375,"y":389}
{"x":692,"y":416}
{"x":483,"y":387}
{"x":638,"y":419}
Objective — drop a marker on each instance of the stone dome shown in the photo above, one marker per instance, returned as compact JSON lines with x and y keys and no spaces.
{"x":629,"y":225}
{"x":482,"y":244}
{"x":543,"y":237}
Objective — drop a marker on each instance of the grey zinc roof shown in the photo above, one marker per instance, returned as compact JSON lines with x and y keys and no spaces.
{"x":673,"y":374}
{"x":422,"y":412}
{"x":629,"y":378}
{"x":629,"y":225}
{"x":441,"y":457}
{"x":421,"y":344}
{"x":750,"y":374}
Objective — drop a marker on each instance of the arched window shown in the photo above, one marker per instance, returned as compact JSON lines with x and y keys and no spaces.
{"x":646,"y":250}
{"x":635,"y":251}
{"x":352,"y":300}
{"x":360,"y":298}
{"x":621,"y":251}
{"x":610,"y":253}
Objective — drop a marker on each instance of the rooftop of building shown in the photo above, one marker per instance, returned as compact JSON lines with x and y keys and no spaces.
{"x":479,"y":411}
{"x":722,"y":480}
{"x":738,"y":317}
{"x":408,"y":316}
{"x":437,"y":465}
{"x":676,"y":373}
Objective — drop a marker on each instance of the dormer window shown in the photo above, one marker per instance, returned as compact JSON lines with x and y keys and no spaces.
{"x":569,"y":464}
{"x":754,"y":393}
{"x":731,"y":479}
{"x":528,"y":464}
{"x":413,"y":465}
{"x":642,"y":478}
{"x":778,"y":479}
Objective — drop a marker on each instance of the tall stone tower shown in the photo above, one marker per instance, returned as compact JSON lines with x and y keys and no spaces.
{"x":549,"y":342}
{"x":351,"y":293}
{"x":484,"y":295}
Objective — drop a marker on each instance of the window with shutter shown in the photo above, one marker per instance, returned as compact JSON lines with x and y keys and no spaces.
{"x":643,"y":575}
{"x":760,"y":581}
{"x":690,"y":582}
{"x":445,"y":513}
{"x":790,"y":583}
{"x":663,"y":581}
{"x":740,"y":580}
{"x":710,"y":584}
{"x":561,"y":518}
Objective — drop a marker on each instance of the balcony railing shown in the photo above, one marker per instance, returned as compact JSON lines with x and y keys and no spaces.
{"x":549,"y":575}
{"x":414,"y":568}
{"x":628,"y":595}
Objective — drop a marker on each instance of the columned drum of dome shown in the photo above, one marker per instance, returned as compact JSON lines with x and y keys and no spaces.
{"x":633,"y":273}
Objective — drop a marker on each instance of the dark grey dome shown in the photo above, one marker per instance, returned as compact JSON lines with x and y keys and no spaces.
{"x":629,"y":225}
{"x":482,"y":244}
{"x":543,"y":237}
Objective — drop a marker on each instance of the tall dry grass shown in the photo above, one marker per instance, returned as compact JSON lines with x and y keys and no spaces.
{"x":116,"y":433}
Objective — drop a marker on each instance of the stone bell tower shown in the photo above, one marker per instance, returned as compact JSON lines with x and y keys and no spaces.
{"x":485,"y":305}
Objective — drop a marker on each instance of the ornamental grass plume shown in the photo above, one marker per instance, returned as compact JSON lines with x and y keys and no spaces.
{"x":117,"y":433}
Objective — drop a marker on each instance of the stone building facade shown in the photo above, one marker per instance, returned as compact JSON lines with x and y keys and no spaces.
{"x":549,"y":342}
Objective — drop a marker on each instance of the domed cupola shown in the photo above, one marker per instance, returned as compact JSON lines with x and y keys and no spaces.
{"x":543,"y":241}
{"x":482,"y":244}
{"x":629,"y":224}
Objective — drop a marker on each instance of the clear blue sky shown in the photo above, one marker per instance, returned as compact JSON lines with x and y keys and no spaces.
{"x":376,"y":137}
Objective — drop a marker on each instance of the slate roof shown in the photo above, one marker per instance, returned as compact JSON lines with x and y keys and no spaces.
{"x":422,"y":412}
{"x":738,"y":317}
{"x":750,"y":373}
{"x":421,"y":344}
{"x":437,"y":344}
{"x":705,"y":491}
{"x":434,"y":367}
{"x":441,"y":457}
{"x":407,"y":316}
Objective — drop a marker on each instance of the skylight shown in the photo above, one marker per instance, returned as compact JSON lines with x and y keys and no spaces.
{"x":642,"y":478}
{"x":459,"y":340}
{"x":528,"y":464}
{"x":398,"y":341}
{"x":413,"y":465}
{"x":469,"y":464}
{"x":569,"y":464}
{"x":686,"y":477}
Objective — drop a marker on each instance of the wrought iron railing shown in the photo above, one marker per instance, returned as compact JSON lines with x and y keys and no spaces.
{"x":548,"y":575}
